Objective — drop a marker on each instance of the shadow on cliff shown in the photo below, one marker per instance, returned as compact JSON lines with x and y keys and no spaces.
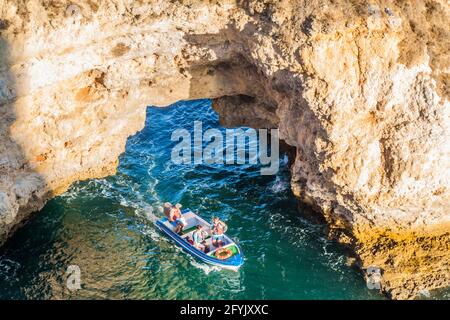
{"x":283,"y":89}
{"x":22,"y":189}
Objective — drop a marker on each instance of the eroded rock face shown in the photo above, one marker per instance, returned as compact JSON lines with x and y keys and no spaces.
{"x":361,"y":90}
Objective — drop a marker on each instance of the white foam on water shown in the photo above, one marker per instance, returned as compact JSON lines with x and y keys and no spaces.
{"x":282,"y":181}
{"x":284,"y":161}
{"x":206,"y":268}
{"x":9,"y":268}
{"x":279,"y":185}
{"x":152,"y":233}
{"x":133,"y":198}
{"x":149,"y":215}
{"x":144,"y":210}
{"x":333,"y":260}
{"x":234,"y":283}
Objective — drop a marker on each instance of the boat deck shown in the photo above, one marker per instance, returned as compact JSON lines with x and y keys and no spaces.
{"x":192,"y":221}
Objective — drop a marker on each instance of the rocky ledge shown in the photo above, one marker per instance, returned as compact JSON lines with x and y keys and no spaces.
{"x":359,"y":89}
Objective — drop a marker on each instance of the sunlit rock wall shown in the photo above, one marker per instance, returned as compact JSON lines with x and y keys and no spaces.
{"x":361,"y":90}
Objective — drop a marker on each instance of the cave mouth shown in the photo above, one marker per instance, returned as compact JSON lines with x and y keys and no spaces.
{"x":104,"y":227}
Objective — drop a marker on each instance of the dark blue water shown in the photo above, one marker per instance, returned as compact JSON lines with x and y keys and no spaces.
{"x":104,"y":226}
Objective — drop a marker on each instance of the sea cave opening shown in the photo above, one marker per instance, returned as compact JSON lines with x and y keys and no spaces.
{"x":105,"y":227}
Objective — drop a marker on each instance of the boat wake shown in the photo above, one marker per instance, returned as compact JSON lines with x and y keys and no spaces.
{"x":207,"y":269}
{"x":150,"y":215}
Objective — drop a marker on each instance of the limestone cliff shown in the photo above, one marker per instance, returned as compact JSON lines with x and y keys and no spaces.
{"x":360,"y":89}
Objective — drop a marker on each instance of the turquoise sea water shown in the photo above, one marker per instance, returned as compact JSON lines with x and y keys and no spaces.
{"x":105,"y":227}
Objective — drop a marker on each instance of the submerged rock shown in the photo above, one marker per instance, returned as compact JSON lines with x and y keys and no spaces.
{"x":361,"y":92}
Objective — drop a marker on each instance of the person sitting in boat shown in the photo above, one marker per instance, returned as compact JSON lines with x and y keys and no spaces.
{"x":176,"y":218}
{"x":218,"y":228}
{"x":198,"y":237}
{"x":166,"y":209}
